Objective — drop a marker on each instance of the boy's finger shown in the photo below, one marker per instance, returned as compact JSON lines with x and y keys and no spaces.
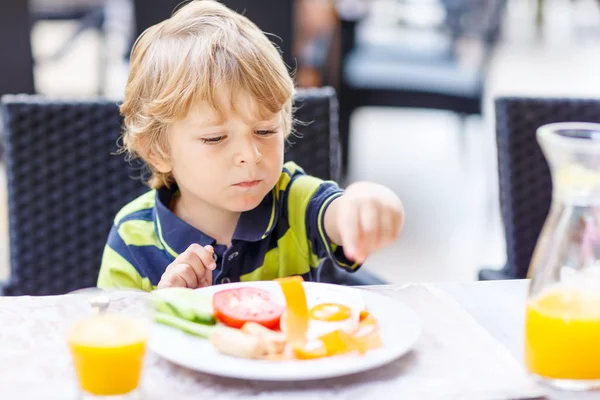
{"x":349,"y":228}
{"x":187,"y":273}
{"x":171,"y":280}
{"x":370,"y":228}
{"x":387,"y":224}
{"x":396,"y":225}
{"x":191,"y":258}
{"x":207,"y":278}
{"x":398,"y":220}
{"x":205,"y":254}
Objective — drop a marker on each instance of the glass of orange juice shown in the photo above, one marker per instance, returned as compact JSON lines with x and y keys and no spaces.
{"x":562,"y":322}
{"x":562,"y":340}
{"x":108,"y":346}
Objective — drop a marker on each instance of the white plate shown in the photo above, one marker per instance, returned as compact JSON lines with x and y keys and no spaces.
{"x":399,"y":327}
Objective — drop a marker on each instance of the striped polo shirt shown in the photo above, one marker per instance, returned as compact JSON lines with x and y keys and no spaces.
{"x":283,"y":236}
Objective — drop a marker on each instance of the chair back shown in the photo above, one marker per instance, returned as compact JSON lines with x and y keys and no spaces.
{"x":65,"y":183}
{"x":524,"y":175}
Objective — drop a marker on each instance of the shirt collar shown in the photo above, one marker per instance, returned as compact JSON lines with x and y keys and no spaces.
{"x":177,"y":235}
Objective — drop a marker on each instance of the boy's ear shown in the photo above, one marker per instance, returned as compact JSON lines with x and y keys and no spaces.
{"x":155,"y":155}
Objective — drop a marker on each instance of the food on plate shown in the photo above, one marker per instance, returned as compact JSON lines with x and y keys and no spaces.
{"x":271,"y":341}
{"x":314,"y":321}
{"x":235,"y":307}
{"x":363,"y":338}
{"x":234,"y":342}
{"x":367,"y":337}
{"x":193,"y":328}
{"x":295,"y":325}
{"x":252,"y":341}
{"x":187,"y":304}
{"x":184,"y":309}
{"x":332,"y":309}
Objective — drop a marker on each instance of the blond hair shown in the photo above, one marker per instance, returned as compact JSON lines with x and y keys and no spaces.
{"x":203,"y":48}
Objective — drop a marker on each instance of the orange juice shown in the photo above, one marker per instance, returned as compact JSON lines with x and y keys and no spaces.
{"x":108,"y":352}
{"x":562,"y":334}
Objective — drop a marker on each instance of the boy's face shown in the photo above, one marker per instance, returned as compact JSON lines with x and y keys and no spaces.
{"x":230,"y":162}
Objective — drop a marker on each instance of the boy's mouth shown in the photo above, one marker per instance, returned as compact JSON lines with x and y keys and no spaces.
{"x":247,"y":184}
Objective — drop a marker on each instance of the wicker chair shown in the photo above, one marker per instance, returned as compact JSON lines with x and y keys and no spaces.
{"x":65,"y":185}
{"x":524,"y":176}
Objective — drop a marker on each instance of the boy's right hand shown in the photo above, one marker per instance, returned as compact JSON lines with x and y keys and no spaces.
{"x":192,"y":269}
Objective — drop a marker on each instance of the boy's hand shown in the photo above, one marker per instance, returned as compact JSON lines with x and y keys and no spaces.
{"x":364,"y":219}
{"x":192,"y":269}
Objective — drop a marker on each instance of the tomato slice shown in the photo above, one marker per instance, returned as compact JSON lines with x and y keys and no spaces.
{"x":235,"y":307}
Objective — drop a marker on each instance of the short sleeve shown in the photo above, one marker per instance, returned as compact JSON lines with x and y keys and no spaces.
{"x":307,"y":200}
{"x":117,"y":269}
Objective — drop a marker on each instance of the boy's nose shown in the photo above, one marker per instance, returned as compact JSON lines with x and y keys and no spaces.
{"x":247,"y":153}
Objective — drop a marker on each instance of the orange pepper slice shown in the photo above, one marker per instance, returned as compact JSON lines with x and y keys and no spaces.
{"x":337,"y":342}
{"x":297,"y":310}
{"x":367,"y":338}
{"x":367,"y":319}
{"x":363,"y":314}
{"x":304,"y":353}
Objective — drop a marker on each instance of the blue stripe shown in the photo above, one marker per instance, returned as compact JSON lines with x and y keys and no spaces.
{"x":116,"y":243}
{"x":323,"y":193}
{"x":140,"y":215}
{"x":149,"y":261}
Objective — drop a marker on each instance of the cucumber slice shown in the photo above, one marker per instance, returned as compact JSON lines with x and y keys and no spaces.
{"x":184,"y":303}
{"x":192,"y":328}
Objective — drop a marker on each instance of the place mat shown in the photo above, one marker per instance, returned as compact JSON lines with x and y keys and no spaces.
{"x":455,"y":358}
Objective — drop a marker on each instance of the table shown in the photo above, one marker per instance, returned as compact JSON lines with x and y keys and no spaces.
{"x":498,"y":306}
{"x":34,"y":361}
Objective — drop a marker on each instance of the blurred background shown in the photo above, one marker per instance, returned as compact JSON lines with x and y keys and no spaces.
{"x":416,"y":81}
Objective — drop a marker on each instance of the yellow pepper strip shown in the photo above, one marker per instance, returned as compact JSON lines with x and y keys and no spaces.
{"x":297,"y":310}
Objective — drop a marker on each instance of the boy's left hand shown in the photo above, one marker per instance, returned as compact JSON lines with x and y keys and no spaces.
{"x":364,"y":219}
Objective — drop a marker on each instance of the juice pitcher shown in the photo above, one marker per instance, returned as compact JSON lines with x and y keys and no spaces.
{"x":562,"y":324}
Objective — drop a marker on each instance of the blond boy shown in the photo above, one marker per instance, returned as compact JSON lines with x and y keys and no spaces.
{"x":208,"y":106}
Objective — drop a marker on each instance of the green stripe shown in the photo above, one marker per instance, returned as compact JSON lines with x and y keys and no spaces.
{"x":143,"y":202}
{"x":272,"y":219}
{"x":117,"y":272}
{"x":283,"y":182}
{"x":299,"y":195}
{"x":287,"y":259}
{"x":139,"y":233}
{"x":293,"y":167}
{"x":162,"y":239}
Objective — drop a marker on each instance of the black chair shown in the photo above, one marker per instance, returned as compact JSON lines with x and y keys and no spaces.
{"x":65,"y":185}
{"x":64,"y":188}
{"x":430,"y":75}
{"x":524,"y":176}
{"x":316,"y":112}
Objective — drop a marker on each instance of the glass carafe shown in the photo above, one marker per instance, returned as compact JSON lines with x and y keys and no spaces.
{"x":562,"y":326}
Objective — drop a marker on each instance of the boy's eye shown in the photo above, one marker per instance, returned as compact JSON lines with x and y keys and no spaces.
{"x":265,"y":132}
{"x":213,"y":140}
